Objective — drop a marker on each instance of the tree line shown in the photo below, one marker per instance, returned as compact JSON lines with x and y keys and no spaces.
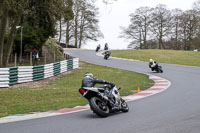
{"x":161,"y":28}
{"x":39,"y":21}
{"x":83,"y":26}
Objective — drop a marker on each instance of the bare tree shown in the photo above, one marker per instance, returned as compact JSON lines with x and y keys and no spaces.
{"x":77,"y":10}
{"x":68,"y":18}
{"x":161,"y":24}
{"x":196,"y":7}
{"x":138,"y":30}
{"x":85,"y":24}
{"x":176,"y":29}
{"x":172,"y":29}
{"x":189,"y":26}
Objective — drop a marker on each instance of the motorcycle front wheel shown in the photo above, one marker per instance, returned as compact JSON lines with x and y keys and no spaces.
{"x":124,"y":106}
{"x":99,"y":107}
{"x":106,"y":57}
{"x":160,"y":69}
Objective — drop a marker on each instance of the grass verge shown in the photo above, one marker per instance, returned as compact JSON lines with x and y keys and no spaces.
{"x":63,"y":92}
{"x":164,"y":56}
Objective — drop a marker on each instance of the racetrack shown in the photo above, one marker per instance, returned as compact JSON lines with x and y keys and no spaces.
{"x":176,"y":110}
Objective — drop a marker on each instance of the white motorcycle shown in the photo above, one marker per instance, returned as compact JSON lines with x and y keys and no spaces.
{"x":100,"y":101}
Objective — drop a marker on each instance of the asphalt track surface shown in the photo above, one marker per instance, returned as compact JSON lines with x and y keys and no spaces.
{"x":176,"y":110}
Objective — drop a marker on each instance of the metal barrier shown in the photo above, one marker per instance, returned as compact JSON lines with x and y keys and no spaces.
{"x":15,"y":75}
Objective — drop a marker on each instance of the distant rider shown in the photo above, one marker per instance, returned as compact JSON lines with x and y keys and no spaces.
{"x":108,"y":52}
{"x":98,"y":47}
{"x":152,"y":64}
{"x":106,"y":46}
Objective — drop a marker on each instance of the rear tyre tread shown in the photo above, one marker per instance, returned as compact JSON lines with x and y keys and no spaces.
{"x":96,"y":109}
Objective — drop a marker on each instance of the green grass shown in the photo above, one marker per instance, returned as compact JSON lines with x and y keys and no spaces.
{"x":164,"y":56}
{"x":63,"y":92}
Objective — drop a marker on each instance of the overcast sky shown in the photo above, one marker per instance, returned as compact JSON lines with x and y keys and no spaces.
{"x":114,"y":15}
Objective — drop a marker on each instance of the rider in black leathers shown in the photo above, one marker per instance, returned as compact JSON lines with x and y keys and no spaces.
{"x":90,"y":81}
{"x":106,"y":46}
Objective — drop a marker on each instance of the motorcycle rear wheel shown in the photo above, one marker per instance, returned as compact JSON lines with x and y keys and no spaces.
{"x":99,"y":107}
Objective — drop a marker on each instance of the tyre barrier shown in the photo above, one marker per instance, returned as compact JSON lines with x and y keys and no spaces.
{"x":15,"y":75}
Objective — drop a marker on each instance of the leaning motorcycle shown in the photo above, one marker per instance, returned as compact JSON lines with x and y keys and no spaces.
{"x":97,"y":49}
{"x":106,"y":55}
{"x":102,"y":100}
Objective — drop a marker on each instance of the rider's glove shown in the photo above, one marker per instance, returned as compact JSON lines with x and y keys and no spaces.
{"x":112,"y":84}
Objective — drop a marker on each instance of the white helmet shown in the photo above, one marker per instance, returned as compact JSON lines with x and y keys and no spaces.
{"x":90,"y":75}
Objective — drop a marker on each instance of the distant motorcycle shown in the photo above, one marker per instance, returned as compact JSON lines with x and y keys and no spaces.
{"x":97,"y":49}
{"x":157,"y":68}
{"x":99,"y":101}
{"x":106,"y":48}
{"x":107,"y":55}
